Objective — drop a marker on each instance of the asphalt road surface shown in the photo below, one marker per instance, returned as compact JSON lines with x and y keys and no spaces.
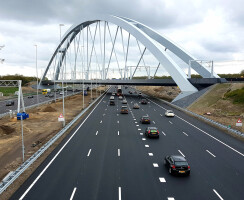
{"x":107,"y":156}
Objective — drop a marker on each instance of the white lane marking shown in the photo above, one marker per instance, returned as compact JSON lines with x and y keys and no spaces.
{"x":150,"y":154}
{"x":211,"y":153}
{"x":154,"y":110}
{"x":43,"y":171}
{"x":185,"y":134}
{"x":103,"y":114}
{"x":106,"y":109}
{"x":212,"y":136}
{"x":118,"y":132}
{"x":170,"y":122}
{"x":137,"y":125}
{"x":119,"y":193}
{"x":202,"y":131}
{"x":89,"y":153}
{"x":142,"y":109}
{"x":146,"y":145}
{"x":117,"y":109}
{"x":117,"y":114}
{"x":155,"y":164}
{"x":96,"y":132}
{"x":143,"y":138}
{"x":162,"y":180}
{"x":73,"y":194}
{"x":118,"y":152}
{"x":171,"y":198}
{"x":154,"y":122}
{"x":181,"y":153}
{"x":164,"y":133}
{"x":217,"y":194}
{"x":161,"y":115}
{"x":136,"y":122}
{"x":134,"y":119}
{"x":141,"y":133}
{"x":139,"y":129}
{"x":118,"y":122}
{"x":101,"y":121}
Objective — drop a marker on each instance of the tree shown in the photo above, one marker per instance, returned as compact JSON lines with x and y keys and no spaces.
{"x":242,"y":71}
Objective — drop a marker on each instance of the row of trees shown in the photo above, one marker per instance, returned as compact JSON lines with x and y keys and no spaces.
{"x":25,"y":79}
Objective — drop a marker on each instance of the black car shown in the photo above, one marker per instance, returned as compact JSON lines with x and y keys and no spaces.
{"x":10,"y":103}
{"x":111,"y":103}
{"x":51,"y":95}
{"x":124,"y":110}
{"x":145,"y":120}
{"x":177,"y":164}
{"x":143,"y":101}
{"x":31,"y":96}
{"x":152,"y":132}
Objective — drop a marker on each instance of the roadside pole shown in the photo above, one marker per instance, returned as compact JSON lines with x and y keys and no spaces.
{"x":22,"y":134}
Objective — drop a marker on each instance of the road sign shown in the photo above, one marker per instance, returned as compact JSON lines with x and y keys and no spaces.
{"x":239,"y":122}
{"x":61,"y":118}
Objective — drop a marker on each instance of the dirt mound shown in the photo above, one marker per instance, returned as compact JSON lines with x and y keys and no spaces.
{"x":6,"y":130}
{"x":49,"y":109}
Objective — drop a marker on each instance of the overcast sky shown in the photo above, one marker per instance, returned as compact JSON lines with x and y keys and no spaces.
{"x":209,"y":30}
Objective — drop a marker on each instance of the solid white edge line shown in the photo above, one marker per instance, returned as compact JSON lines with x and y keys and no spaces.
{"x":211,"y":153}
{"x":119,"y":193}
{"x":73,"y":193}
{"x":118,"y":152}
{"x":203,"y":131}
{"x":89,"y":153}
{"x":37,"y":178}
{"x":181,"y":153}
{"x":217,"y":194}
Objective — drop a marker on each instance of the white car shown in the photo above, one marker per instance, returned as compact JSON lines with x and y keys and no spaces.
{"x":169,"y":113}
{"x":120,"y":97}
{"x":112,"y":98}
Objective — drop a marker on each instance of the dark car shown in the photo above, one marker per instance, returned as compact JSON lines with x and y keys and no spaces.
{"x":31,"y":96}
{"x":111,"y":103}
{"x":177,"y":164}
{"x":139,"y":95}
{"x":152,"y":132}
{"x":10,"y":103}
{"x":51,"y":95}
{"x":143,"y":101}
{"x":145,"y":120}
{"x":124,"y":110}
{"x":130,"y":92}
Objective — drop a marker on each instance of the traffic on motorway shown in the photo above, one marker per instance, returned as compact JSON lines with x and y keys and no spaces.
{"x":132,"y":146}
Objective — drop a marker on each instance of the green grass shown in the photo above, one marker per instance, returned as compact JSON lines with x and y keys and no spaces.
{"x":7,"y":91}
{"x":237,"y":96}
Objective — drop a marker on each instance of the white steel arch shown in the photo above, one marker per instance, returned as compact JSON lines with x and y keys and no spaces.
{"x":150,"y":39}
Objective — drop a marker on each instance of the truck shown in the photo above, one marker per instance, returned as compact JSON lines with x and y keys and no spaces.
{"x":119,"y":90}
{"x":46,"y":91}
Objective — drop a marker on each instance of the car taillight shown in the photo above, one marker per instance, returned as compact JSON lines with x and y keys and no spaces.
{"x":149,"y":131}
{"x":158,"y":131}
{"x":173,"y":166}
{"x":188,"y":166}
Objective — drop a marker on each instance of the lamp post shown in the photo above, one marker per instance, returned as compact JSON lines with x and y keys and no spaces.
{"x":60,"y":25}
{"x":2,"y":60}
{"x":36,"y":77}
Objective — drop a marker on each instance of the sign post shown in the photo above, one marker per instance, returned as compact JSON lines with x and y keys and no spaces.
{"x":61,"y":119}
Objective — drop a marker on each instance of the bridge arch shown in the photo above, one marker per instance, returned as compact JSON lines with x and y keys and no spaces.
{"x":152,"y":40}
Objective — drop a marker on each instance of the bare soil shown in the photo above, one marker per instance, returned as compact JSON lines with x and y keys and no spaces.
{"x":221,"y":109}
{"x":38,"y":129}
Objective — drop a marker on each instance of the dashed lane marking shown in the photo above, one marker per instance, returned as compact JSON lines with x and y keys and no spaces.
{"x":162,"y":180}
{"x":137,"y":125}
{"x":101,"y":121}
{"x":171,"y":198}
{"x":155,"y":164}
{"x":119,"y":193}
{"x":89,"y":152}
{"x":170,"y":122}
{"x":118,"y":132}
{"x":146,"y":145}
{"x":211,"y":153}
{"x":181,"y":153}
{"x":164,"y":133}
{"x":139,"y":129}
{"x":150,"y":154}
{"x":143,"y":138}
{"x":118,"y":152}
{"x":118,"y":122}
{"x":154,"y":122}
{"x":217,"y":194}
{"x":185,"y":134}
{"x":96,"y":132}
{"x":141,"y":133}
{"x":73,"y":194}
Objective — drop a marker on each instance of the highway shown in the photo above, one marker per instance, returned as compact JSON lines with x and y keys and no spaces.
{"x":107,"y":156}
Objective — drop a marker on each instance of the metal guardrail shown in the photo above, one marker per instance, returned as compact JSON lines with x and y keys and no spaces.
{"x":10,"y":178}
{"x":239,"y":133}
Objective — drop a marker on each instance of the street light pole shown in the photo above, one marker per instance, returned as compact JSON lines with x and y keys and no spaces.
{"x":36,"y":77}
{"x":60,"y":30}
